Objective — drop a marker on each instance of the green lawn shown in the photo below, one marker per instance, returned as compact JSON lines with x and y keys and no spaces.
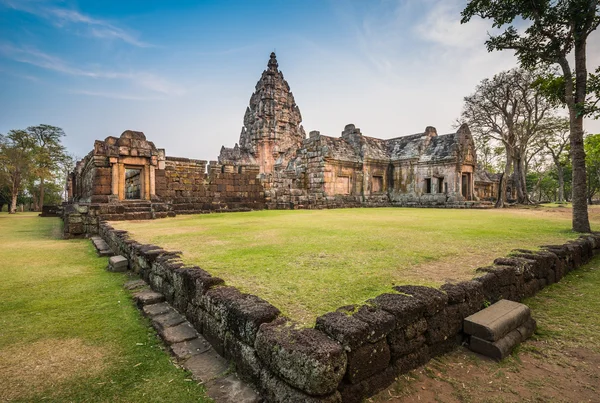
{"x":68,"y":329}
{"x":313,"y":261}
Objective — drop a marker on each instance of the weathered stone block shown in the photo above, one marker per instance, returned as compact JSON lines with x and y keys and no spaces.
{"x":214,"y":331}
{"x":367,"y":361}
{"x":434,"y":300}
{"x":344,"y":328}
{"x":177,"y":334}
{"x":412,"y":360}
{"x":247,"y":363}
{"x":405,"y":308}
{"x":356,"y":393}
{"x":502,"y":347}
{"x":277,"y":391}
{"x":117,"y":263}
{"x":245,"y":315}
{"x":493,"y":322}
{"x":306,"y":358}
{"x":380,"y":322}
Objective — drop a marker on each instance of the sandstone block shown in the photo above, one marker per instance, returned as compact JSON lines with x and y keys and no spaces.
{"x":178,"y":334}
{"x":306,"y":358}
{"x":495,"y":321}
{"x":118,"y":263}
{"x":148,"y":298}
{"x":189,"y":348}
{"x":169,"y":319}
{"x":502,"y":347}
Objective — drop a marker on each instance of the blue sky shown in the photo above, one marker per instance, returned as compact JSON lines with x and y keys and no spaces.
{"x":183,"y":71}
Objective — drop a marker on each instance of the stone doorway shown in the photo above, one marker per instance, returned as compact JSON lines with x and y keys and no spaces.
{"x":466,"y":186}
{"x":133,"y":183}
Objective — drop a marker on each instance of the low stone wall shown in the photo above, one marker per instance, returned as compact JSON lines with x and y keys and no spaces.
{"x":351,"y":353}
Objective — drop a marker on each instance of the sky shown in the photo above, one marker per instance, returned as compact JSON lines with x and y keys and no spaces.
{"x":183,"y":71}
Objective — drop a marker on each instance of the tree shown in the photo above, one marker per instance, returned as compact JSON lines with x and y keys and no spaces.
{"x":16,"y":161}
{"x":592,"y":151}
{"x":49,"y":152}
{"x":556,"y":28}
{"x":506,"y":109}
{"x":555,"y":143}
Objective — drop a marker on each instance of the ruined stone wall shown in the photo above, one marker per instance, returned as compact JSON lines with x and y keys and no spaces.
{"x":356,"y":351}
{"x":190,"y":189}
{"x":410,"y":189}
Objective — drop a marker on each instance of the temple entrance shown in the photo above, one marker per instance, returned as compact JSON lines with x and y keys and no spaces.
{"x":133,"y":183}
{"x":466,"y":186}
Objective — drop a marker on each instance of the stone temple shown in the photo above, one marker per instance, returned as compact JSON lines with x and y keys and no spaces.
{"x":276,"y":166}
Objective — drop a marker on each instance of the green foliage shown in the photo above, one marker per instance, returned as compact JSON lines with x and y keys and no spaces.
{"x":56,"y":291}
{"x":592,"y":160}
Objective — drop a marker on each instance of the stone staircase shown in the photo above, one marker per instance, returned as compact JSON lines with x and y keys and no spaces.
{"x":138,"y":210}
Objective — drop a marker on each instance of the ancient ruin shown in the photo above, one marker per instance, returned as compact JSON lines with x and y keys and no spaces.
{"x":276,"y":166}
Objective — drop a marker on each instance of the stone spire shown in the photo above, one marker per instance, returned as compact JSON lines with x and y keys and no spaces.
{"x":272,"y":131}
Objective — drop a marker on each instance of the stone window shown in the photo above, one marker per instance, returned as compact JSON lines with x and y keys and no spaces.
{"x":427,"y":185}
{"x":377,"y":184}
{"x":440,"y":188}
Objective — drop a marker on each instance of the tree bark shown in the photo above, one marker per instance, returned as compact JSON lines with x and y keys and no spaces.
{"x":13,"y":202}
{"x":573,"y":97}
{"x":501,"y":200}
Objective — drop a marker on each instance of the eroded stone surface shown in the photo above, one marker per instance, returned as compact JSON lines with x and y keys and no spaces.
{"x":186,"y":349}
{"x":148,"y":297}
{"x":306,"y":358}
{"x":179,"y":333}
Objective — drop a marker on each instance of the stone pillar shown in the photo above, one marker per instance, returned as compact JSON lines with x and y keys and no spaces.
{"x":121,"y":181}
{"x":152,"y":183}
{"x":146,"y":184}
{"x":115,"y":179}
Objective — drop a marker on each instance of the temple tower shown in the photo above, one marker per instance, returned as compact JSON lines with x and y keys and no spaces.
{"x":272,"y":131}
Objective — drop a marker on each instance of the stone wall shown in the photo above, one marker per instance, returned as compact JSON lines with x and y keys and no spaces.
{"x":356,"y":351}
{"x":187,"y":186}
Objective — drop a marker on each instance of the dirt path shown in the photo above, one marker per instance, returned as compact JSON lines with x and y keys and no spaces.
{"x":536,"y":374}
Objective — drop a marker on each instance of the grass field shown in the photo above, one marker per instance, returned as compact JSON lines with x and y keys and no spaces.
{"x":313,"y":261}
{"x":69,"y":331}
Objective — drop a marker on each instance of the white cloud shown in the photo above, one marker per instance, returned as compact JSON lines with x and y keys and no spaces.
{"x":64,"y":17}
{"x":142,"y":79}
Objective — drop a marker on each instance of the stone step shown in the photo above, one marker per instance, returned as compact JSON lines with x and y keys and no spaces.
{"x":194,"y":352}
{"x":148,"y":297}
{"x":118,"y":264}
{"x":497,"y":320}
{"x":503,"y":347}
{"x":102,"y":247}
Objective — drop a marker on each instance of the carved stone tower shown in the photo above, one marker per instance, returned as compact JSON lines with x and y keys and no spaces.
{"x":272,"y":131}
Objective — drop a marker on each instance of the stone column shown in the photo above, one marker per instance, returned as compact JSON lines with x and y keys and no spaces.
{"x":121,"y":181}
{"x":146,"y":185}
{"x":152,"y":182}
{"x":115,"y":179}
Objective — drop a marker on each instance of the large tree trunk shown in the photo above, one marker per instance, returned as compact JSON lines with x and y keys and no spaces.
{"x":501,"y":200}
{"x":576,"y":96}
{"x":13,"y":201}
